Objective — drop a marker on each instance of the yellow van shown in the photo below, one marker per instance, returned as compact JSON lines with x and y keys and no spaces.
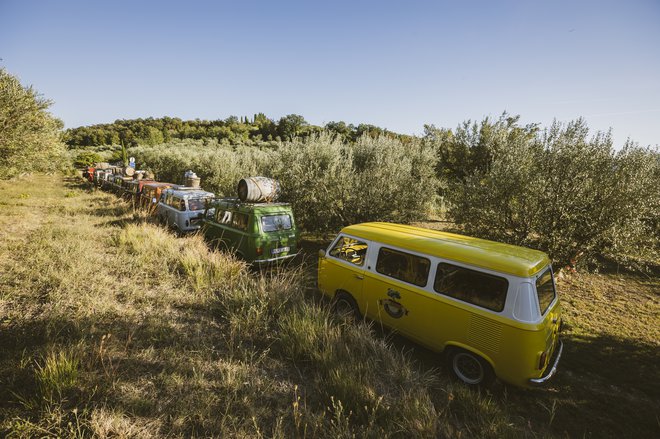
{"x":491,"y":307}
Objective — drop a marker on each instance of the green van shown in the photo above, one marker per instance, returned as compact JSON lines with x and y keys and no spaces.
{"x":260,"y":233}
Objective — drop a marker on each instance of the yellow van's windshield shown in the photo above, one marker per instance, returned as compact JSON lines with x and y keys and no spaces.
{"x":545,"y":290}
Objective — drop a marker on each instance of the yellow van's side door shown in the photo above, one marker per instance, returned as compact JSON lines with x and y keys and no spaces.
{"x":392,"y":296}
{"x":342,"y":269}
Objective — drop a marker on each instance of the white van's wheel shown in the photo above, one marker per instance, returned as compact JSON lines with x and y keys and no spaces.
{"x":469,"y":368}
{"x":345,"y":306}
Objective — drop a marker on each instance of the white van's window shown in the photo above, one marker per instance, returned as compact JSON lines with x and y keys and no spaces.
{"x":350,"y":250}
{"x":545,"y":290}
{"x":273,"y":223}
{"x":197,"y":203}
{"x":471,"y":286}
{"x":403,"y":266}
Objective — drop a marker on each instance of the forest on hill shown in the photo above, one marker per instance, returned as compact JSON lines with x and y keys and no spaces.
{"x":235,"y":130}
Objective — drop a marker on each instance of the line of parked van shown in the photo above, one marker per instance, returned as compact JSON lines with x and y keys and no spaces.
{"x":252,"y":225}
{"x":491,"y":307}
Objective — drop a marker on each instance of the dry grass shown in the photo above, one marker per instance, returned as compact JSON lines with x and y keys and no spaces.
{"x":113,"y":327}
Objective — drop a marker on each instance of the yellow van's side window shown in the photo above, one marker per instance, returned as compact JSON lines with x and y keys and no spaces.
{"x":403,"y":266}
{"x":350,"y":250}
{"x":471,"y":286}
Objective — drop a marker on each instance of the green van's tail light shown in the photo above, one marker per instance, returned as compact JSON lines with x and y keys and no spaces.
{"x":259,"y":251}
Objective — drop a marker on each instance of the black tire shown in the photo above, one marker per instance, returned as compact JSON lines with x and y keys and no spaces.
{"x":469,"y":368}
{"x":345,"y":306}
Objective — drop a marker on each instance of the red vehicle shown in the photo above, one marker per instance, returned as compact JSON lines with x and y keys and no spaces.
{"x":150,"y":194}
{"x":88,"y":173}
{"x":133,"y":189}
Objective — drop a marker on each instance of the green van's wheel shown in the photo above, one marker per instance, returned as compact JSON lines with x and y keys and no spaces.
{"x":345,"y":306}
{"x":470,"y":368}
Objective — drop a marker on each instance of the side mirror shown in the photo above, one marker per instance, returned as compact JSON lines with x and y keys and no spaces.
{"x":321,"y":254}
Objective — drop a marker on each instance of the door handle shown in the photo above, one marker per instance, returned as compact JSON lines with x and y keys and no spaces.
{"x":358,"y":276}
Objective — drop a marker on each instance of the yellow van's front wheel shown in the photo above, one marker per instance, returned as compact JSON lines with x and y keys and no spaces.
{"x":345,"y":306}
{"x":469,"y":367}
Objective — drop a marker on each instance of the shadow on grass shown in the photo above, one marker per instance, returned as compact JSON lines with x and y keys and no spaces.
{"x":605,"y":387}
{"x":146,"y":358}
{"x":608,"y":387}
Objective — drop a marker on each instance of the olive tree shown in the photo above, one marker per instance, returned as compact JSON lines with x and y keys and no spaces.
{"x":218,"y":165}
{"x":332,"y":183}
{"x":86,"y":158}
{"x":317,"y":177}
{"x":30,"y":137}
{"x":566,"y":192}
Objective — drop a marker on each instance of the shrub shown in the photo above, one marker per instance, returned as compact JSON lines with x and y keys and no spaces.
{"x":86,"y":158}
{"x":329,"y":182}
{"x":332,"y":183}
{"x":561,"y":191}
{"x":393,"y":181}
{"x":218,"y":165}
{"x":317,"y":178}
{"x":30,"y":136}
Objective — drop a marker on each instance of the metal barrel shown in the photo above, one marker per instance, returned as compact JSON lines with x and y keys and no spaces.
{"x":192,"y":182}
{"x":191,"y":179}
{"x":258,"y":189}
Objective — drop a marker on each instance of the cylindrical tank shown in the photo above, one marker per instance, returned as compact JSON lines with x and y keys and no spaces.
{"x":258,"y":189}
{"x":191,"y":179}
{"x":129,"y":171}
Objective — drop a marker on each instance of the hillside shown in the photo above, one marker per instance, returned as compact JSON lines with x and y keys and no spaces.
{"x":111,"y":326}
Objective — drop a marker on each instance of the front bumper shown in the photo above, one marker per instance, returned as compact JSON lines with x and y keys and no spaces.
{"x":552,"y":370}
{"x":277,"y":259}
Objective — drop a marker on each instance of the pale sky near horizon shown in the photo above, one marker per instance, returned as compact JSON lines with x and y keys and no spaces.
{"x":396,"y":65}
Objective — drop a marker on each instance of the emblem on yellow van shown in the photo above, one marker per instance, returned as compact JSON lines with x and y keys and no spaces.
{"x":393,"y":308}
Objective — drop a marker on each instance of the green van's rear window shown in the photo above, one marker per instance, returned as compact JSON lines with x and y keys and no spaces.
{"x":273,"y":223}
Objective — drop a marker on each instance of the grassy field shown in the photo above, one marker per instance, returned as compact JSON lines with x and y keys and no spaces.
{"x":113,"y":327}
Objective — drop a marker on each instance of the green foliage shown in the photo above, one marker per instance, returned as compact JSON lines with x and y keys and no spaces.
{"x":332,"y":183}
{"x":57,"y":375}
{"x":317,"y":178}
{"x":329,"y":182}
{"x":86,"y":158}
{"x":218,"y":165}
{"x":558,"y":190}
{"x":291,"y":126}
{"x":236,"y":131}
{"x":29,"y":135}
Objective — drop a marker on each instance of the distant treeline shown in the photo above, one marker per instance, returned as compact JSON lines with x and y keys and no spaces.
{"x":235,"y":130}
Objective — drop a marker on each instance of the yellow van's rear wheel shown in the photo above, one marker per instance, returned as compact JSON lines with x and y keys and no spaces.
{"x":469,"y":367}
{"x":345,"y":306}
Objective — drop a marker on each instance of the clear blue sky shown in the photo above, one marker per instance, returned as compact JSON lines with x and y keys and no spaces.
{"x":398,"y":65}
